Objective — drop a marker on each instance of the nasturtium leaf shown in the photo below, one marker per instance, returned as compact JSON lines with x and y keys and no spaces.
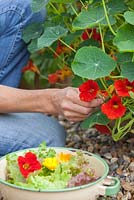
{"x":127,"y":70}
{"x":33,"y":46}
{"x":32,"y":31}
{"x":91,"y":18}
{"x":124,"y":57}
{"x":92,"y":63}
{"x":50,"y":35}
{"x":115,"y":8}
{"x":71,"y":37}
{"x":37,"y":5}
{"x":124,"y":38}
{"x":129,"y":17}
{"x":95,"y":118}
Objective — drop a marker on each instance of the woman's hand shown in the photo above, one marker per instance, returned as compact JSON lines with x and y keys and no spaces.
{"x":67,"y":103}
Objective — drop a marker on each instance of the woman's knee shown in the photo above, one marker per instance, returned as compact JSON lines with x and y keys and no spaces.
{"x":27,"y":130}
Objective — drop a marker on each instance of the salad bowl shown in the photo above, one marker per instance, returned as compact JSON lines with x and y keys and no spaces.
{"x":103,"y":185}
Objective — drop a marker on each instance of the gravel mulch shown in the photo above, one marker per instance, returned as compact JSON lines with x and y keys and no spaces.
{"x":118,"y":155}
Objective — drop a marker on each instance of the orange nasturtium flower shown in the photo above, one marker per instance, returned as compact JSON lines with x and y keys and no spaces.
{"x":64,"y":157}
{"x":67,"y":71}
{"x":50,"y":163}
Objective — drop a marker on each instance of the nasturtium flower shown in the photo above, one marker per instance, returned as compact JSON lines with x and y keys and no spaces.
{"x":64,"y":157}
{"x":50,"y":163}
{"x":60,"y":74}
{"x":91,"y":33}
{"x":113,"y":108}
{"x":88,"y":90}
{"x":123,"y":87}
{"x":67,"y":71}
{"x":52,"y":78}
{"x":28,"y":164}
{"x":102,"y":129}
{"x":31,"y":67}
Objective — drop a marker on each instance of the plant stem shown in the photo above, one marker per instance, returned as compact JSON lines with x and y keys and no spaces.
{"x":104,"y":85}
{"x":73,"y":9}
{"x":51,"y":49}
{"x":67,"y":45}
{"x":83,"y":4}
{"x":107,"y":18}
{"x":128,"y":125}
{"x":102,"y":40}
{"x":118,"y":124}
{"x":113,"y":77}
{"x":54,"y":8}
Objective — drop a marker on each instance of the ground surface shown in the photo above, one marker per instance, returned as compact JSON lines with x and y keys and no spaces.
{"x":119,"y":155}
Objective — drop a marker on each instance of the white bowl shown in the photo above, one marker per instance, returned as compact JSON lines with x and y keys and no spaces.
{"x":105,"y":185}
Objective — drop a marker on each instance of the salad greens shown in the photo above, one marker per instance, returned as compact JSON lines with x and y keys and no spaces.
{"x":49,"y":169}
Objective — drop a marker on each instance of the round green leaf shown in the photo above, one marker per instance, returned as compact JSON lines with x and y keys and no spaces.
{"x":124,"y":57}
{"x":91,"y":18}
{"x":92,"y":63}
{"x":127,"y":70}
{"x":32,"y":31}
{"x":115,"y":8}
{"x":50,"y":35}
{"x":95,"y":118}
{"x":129,"y":17}
{"x":124,"y":39}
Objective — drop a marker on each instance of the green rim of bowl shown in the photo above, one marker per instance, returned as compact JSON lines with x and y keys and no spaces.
{"x":62,"y":190}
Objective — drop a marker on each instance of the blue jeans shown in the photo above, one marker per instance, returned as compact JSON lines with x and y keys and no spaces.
{"x":21,"y":130}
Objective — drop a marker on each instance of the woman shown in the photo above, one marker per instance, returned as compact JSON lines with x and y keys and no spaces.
{"x":23,"y":120}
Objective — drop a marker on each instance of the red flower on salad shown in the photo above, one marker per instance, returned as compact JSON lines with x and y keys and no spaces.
{"x":113,"y":108}
{"x":88,"y":90}
{"x":123,"y":87}
{"x":28,"y":164}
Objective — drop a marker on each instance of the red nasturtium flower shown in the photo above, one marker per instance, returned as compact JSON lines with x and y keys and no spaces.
{"x":94,"y":34}
{"x":28,"y":164}
{"x":123,"y":87}
{"x":52,"y":78}
{"x":102,"y":129}
{"x":113,"y":108}
{"x":88,"y":90}
{"x":31,"y":67}
{"x":61,"y":49}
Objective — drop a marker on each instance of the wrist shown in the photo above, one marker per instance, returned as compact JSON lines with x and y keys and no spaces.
{"x":46,"y":101}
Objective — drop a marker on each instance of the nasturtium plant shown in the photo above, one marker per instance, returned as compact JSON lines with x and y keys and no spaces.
{"x":87,"y":44}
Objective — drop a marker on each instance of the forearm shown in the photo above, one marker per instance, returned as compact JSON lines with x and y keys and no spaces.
{"x":18,"y":100}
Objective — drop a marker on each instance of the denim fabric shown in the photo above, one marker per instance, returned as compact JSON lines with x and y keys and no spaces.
{"x":21,"y":130}
{"x":15,"y":15}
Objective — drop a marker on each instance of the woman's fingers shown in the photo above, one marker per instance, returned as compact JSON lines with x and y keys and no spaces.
{"x":73,"y":95}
